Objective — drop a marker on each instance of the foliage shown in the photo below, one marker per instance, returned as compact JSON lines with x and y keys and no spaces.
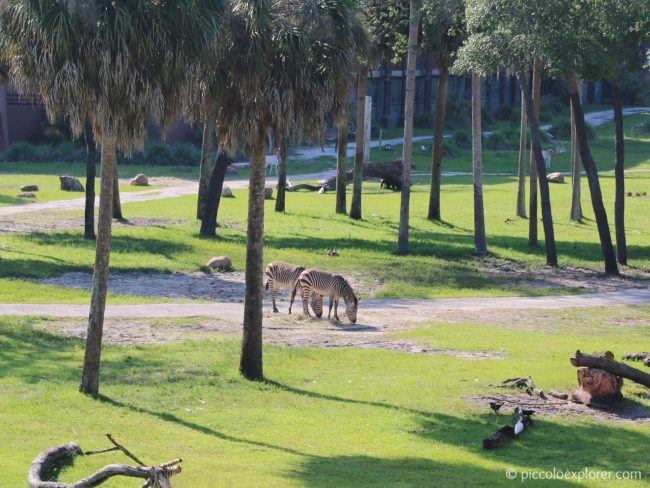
{"x":64,"y":152}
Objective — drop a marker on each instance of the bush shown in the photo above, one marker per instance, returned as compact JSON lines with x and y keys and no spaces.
{"x":186,"y":155}
{"x":486,"y":116}
{"x":563,"y":131}
{"x":423,"y":120}
{"x":462,"y":139}
{"x":504,"y":112}
{"x":496,"y":141}
{"x":20,"y":151}
{"x":458,"y":114}
{"x":159,"y":155}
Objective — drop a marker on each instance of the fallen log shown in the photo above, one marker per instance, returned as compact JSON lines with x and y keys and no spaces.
{"x":619,"y":369}
{"x":50,"y":459}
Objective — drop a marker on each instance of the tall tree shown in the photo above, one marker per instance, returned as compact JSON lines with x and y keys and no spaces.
{"x":480,"y":243}
{"x":342,"y":162}
{"x":282,"y":177}
{"x":443,"y":30}
{"x":521,"y":168}
{"x":91,"y":156}
{"x":93,"y":60}
{"x":532,"y":207}
{"x":403,"y":233}
{"x":500,"y":34}
{"x":117,"y":204}
{"x":283,"y":67}
{"x":576,"y":171}
{"x":355,"y":208}
{"x":208,"y":147}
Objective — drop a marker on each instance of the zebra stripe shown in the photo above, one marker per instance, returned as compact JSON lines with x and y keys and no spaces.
{"x":316,"y":282}
{"x":283,"y":275}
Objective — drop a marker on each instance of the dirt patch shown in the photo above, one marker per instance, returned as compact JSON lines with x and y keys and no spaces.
{"x":49,"y":222}
{"x":292,"y":331}
{"x":625,"y":411}
{"x":566,"y":277}
{"x":224,"y":287}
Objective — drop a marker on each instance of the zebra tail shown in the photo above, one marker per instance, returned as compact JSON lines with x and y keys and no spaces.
{"x":266,"y":287}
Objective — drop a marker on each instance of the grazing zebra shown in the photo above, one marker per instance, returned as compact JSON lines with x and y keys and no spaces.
{"x":284,"y":275}
{"x":321,"y":283}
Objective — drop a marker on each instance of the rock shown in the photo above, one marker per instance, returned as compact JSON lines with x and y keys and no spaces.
{"x":220,"y":262}
{"x":69,"y":183}
{"x":226,"y":192}
{"x":26,"y":195}
{"x":139,"y":180}
{"x":230,"y":170}
{"x":29,"y":188}
{"x":268,"y":193}
{"x":555,"y":178}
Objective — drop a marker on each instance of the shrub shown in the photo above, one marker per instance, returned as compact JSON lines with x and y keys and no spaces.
{"x":486,"y":116}
{"x":563,"y":131}
{"x":159,"y":155}
{"x":423,"y":120}
{"x":504,"y":112}
{"x":20,"y":151}
{"x":458,"y":114}
{"x":495,"y":141}
{"x":186,"y":155}
{"x":462,"y":139}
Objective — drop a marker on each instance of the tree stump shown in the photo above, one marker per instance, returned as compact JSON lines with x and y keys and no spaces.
{"x":598,"y":386}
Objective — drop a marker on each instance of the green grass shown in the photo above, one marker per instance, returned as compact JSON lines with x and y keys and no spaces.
{"x":324,"y":417}
{"x":49,"y":187}
{"x":441,"y":262}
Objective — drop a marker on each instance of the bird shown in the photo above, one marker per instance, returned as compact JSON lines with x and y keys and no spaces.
{"x":519,"y":426}
{"x":528,"y":413}
{"x":423,"y":148}
{"x":495,"y":406}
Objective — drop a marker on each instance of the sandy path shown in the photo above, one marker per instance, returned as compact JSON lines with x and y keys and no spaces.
{"x":370,"y":310}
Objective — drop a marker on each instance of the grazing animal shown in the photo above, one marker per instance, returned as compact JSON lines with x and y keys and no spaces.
{"x":272,"y":163}
{"x":317,"y":282}
{"x":283,"y":275}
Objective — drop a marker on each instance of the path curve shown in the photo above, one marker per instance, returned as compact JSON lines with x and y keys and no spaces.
{"x":425,"y":309}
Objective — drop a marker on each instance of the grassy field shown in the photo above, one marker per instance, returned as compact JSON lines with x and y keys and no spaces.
{"x":324,"y":417}
{"x":441,"y":262}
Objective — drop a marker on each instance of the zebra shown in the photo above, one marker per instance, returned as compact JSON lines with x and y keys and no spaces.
{"x":284,"y":275}
{"x":316,"y":282}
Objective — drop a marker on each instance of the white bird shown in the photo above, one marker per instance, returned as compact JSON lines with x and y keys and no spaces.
{"x":519,"y":426}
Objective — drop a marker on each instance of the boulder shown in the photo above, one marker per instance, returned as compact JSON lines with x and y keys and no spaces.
{"x":230,"y":170}
{"x":268,"y":193}
{"x":26,"y":195}
{"x":29,"y":188}
{"x":69,"y":183}
{"x":226,"y":192}
{"x":220,"y":262}
{"x":139,"y":180}
{"x":555,"y":178}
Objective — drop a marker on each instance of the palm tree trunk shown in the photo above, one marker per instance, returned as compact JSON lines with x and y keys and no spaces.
{"x":521,"y":176}
{"x":92,"y":356}
{"x":438,"y":133}
{"x":480,"y":244}
{"x":532,"y":210}
{"x":547,"y":215}
{"x":594,"y":184}
{"x":91,"y":155}
{"x":213,"y":194}
{"x":250,"y":364}
{"x":282,"y":177}
{"x":619,"y":172}
{"x":342,"y":161}
{"x":403,"y":232}
{"x":355,"y":209}
{"x":207,"y":159}
{"x":117,"y":204}
{"x":576,"y":173}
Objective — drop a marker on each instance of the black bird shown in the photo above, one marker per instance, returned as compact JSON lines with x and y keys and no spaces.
{"x":495,"y":406}
{"x":528,"y":413}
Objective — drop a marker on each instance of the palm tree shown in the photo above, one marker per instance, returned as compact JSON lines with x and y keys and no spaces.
{"x":480,"y":243}
{"x":403,"y":233}
{"x":355,"y":208}
{"x":95,"y":61}
{"x":282,"y":177}
{"x":284,"y":63}
{"x":342,"y":161}
{"x":532,"y":209}
{"x":91,"y":155}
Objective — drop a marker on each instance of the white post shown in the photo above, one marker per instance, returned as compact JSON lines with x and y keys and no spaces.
{"x":366,"y":130}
